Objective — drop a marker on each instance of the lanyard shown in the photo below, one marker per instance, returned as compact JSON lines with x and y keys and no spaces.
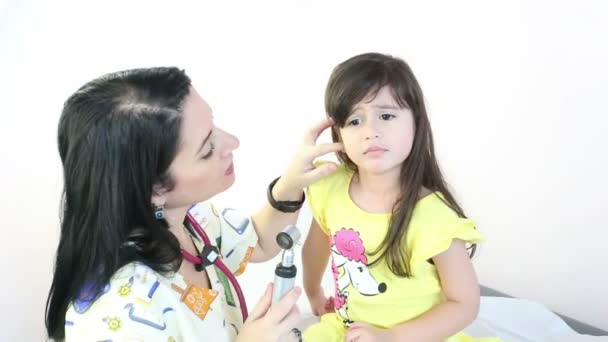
{"x":216,"y":260}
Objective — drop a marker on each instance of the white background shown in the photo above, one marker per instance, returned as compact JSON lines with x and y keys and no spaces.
{"x":516,"y":93}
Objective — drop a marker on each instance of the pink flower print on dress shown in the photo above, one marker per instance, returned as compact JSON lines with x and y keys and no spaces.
{"x":348,"y":253}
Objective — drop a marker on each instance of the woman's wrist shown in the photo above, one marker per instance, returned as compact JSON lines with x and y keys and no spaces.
{"x":283,"y":191}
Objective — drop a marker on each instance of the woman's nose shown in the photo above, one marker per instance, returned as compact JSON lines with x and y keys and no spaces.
{"x":230,"y":143}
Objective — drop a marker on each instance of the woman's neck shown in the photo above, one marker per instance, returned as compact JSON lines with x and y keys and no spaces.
{"x":175,"y":218}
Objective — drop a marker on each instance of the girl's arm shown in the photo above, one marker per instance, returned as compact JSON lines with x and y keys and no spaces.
{"x":315,"y":255}
{"x":460,"y":286}
{"x":461,"y":289}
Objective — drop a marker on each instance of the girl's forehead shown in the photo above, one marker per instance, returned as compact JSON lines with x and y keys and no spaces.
{"x":383,"y":98}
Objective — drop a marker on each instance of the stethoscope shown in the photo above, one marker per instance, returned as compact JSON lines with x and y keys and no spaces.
{"x":211,"y":256}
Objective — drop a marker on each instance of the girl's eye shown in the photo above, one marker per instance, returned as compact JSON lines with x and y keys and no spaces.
{"x":354,"y":122}
{"x":211,"y":149}
{"x":386,"y":116}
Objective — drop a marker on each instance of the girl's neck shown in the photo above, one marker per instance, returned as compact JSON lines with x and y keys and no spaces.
{"x":378,"y":184}
{"x":375,"y":192}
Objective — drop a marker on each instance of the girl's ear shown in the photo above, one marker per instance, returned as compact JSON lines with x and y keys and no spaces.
{"x":335,"y":133}
{"x":337,"y":137}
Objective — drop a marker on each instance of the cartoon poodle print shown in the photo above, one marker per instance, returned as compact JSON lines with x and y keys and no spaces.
{"x":348,"y":253}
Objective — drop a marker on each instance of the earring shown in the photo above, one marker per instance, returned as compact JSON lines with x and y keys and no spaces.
{"x":159,"y":211}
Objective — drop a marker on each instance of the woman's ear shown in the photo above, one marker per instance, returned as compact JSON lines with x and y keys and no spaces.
{"x":158,"y":195}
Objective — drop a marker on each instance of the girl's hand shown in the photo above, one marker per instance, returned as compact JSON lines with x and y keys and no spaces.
{"x":361,"y":332}
{"x":319,"y":304}
{"x":301,"y":172}
{"x":267,"y":323}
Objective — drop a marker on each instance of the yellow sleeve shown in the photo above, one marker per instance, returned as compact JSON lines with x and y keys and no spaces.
{"x":433,"y":237}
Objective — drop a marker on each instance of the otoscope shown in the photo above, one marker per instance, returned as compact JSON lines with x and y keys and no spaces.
{"x":285,"y":272}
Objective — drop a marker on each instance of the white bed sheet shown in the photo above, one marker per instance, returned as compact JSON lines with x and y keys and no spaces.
{"x":520,"y":320}
{"x":513,"y":320}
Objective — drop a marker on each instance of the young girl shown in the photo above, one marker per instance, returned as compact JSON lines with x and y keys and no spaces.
{"x":396,"y":235}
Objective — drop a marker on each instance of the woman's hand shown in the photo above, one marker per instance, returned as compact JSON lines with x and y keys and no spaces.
{"x":319,"y":304}
{"x":361,"y":332}
{"x":301,"y":172}
{"x":266,"y":322}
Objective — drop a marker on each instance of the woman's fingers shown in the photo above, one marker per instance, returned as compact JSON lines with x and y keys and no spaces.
{"x":319,"y":172}
{"x":291,"y":321}
{"x":261,"y":308}
{"x":323,"y":149}
{"x":315,"y":131}
{"x":280,"y":310}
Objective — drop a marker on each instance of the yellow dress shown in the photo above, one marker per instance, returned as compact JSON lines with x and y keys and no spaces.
{"x":373,"y":294}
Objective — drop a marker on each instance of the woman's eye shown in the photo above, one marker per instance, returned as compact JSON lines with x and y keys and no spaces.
{"x":211,"y":149}
{"x":386,"y":116}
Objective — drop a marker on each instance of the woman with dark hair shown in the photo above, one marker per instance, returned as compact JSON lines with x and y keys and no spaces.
{"x":142,"y":255}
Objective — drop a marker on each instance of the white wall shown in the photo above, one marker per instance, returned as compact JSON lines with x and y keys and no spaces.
{"x":516,"y":94}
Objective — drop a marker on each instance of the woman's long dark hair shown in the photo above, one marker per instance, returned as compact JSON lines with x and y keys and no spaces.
{"x":352,"y":81}
{"x":118,"y":134}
